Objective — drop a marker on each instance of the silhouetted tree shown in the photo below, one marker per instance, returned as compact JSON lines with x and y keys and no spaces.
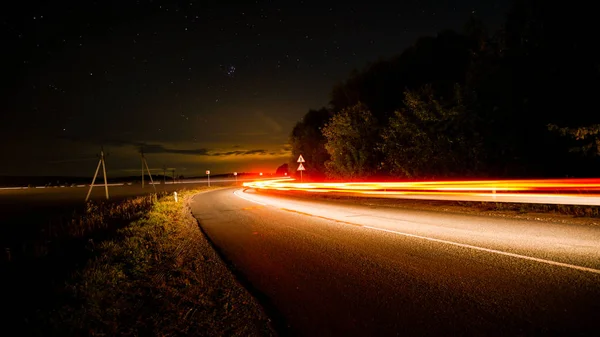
{"x":432,"y":137}
{"x":536,"y":71}
{"x":283,"y":169}
{"x":542,"y":68}
{"x":440,"y":61}
{"x":587,"y":138}
{"x":308,"y":140}
{"x":352,"y":137}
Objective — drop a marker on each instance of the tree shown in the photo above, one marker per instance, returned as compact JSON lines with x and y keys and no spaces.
{"x":432,"y":137}
{"x":351,"y":143}
{"x":308,"y":140}
{"x":282,"y":170}
{"x":534,"y":72}
{"x":587,"y":138}
{"x":440,"y":61}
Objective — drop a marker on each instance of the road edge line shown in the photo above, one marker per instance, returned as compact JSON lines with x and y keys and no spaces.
{"x":247,"y":199}
{"x":489,"y":250}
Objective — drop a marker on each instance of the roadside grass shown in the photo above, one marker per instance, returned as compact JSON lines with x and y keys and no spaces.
{"x":93,"y":222}
{"x":572,"y":210}
{"x":135,"y":267}
{"x":34,"y":268}
{"x":158,"y":276}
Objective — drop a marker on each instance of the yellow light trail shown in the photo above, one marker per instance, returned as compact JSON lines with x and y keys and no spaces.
{"x":557,"y":191}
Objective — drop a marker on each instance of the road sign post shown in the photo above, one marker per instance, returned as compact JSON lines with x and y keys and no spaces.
{"x":208,"y":175}
{"x":301,"y":167}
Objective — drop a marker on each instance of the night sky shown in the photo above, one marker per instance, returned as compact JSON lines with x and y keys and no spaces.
{"x":202,"y":84}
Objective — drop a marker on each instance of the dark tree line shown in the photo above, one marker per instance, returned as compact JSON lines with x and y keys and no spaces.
{"x":517,"y":102}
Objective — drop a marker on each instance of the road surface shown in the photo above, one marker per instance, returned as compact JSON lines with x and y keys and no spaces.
{"x":323,"y":268}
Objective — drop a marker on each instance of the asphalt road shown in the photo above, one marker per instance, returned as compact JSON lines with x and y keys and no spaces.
{"x":325,"y":268}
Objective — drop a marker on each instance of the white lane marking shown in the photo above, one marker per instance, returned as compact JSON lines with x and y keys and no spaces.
{"x":525,"y":257}
{"x":464,"y":245}
{"x":260,"y":203}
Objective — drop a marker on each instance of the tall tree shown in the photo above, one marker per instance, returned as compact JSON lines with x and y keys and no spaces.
{"x":283,"y":169}
{"x":440,"y":61}
{"x":352,"y":137}
{"x":307,"y":140}
{"x":584,"y":144}
{"x":432,"y":137}
{"x":536,"y":71}
{"x":587,"y":138}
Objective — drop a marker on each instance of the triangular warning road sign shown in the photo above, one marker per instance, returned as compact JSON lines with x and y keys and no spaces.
{"x":300,"y":159}
{"x":301,"y":167}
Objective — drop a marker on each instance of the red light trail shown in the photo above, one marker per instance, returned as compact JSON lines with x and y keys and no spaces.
{"x":551,"y":191}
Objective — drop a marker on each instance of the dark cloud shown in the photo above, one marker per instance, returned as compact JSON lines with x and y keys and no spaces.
{"x":239,"y":153}
{"x":155,"y":148}
{"x":158,"y":148}
{"x":255,"y":152}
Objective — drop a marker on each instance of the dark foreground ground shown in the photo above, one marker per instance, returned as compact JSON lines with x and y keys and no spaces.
{"x":130,"y":266}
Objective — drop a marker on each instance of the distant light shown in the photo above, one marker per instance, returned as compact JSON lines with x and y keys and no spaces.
{"x":285,"y":173}
{"x":261,"y":173}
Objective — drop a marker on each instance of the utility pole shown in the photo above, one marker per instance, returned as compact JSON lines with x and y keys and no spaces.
{"x":103,"y":164}
{"x":164,"y":175}
{"x":142,"y":153}
{"x":173,"y":170}
{"x":145,"y":163}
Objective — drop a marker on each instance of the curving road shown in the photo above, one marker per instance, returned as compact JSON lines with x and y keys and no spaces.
{"x":323,"y":268}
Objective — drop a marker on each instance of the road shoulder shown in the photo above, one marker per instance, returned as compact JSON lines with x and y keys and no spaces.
{"x":563,"y":214}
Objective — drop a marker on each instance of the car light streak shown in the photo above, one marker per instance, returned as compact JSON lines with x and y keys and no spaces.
{"x":546,"y":191}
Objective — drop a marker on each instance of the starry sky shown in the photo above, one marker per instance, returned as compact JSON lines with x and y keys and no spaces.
{"x":199,"y":84}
